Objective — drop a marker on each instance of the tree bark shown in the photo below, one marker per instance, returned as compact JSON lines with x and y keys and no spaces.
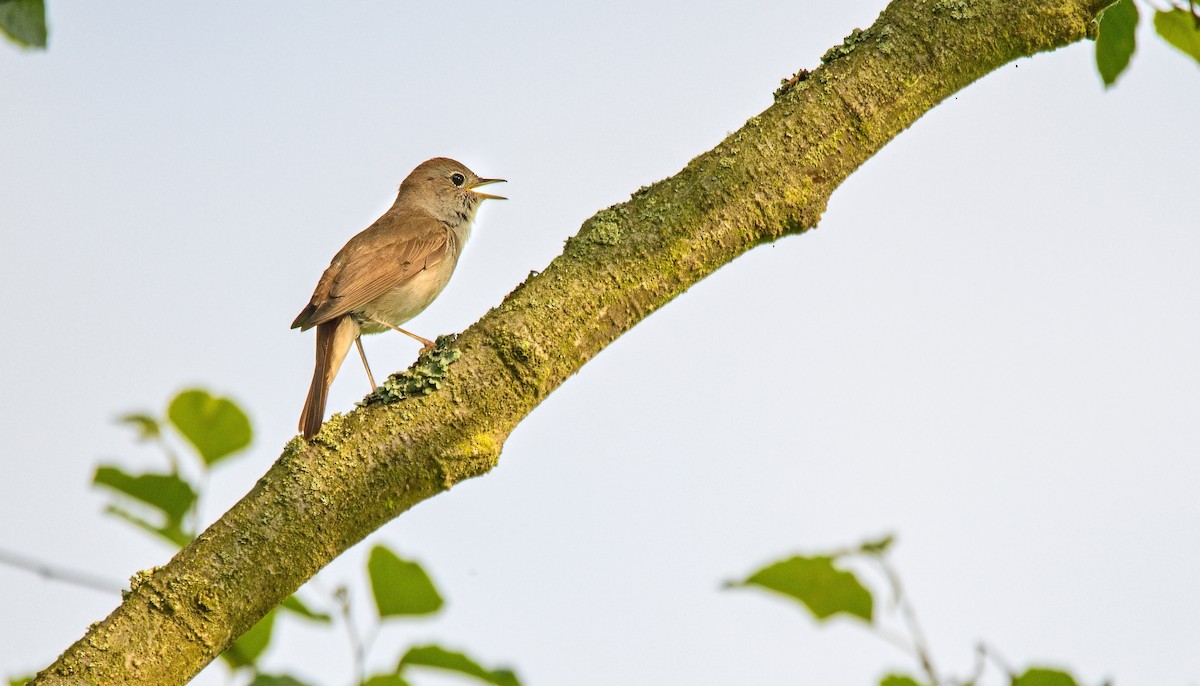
{"x":770,"y":179}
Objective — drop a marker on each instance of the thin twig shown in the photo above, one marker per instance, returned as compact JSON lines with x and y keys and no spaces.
{"x":194,"y":514}
{"x":895,"y":638}
{"x":56,"y":573}
{"x":999,"y":661}
{"x":342,"y":598}
{"x":977,"y":672}
{"x":171,"y":457}
{"x":919,"y":645}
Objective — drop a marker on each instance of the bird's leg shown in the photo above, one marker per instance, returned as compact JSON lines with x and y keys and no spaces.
{"x":426,"y":344}
{"x":363,"y":355}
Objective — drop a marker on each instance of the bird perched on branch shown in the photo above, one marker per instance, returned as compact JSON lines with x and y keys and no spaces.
{"x":390,"y":272}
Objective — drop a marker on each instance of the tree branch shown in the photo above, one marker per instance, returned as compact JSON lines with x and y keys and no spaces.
{"x":770,"y":179}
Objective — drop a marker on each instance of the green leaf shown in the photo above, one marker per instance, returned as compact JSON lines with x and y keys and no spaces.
{"x":898,"y":680}
{"x":261,"y":679}
{"x":246,"y":650}
{"x":1178,"y":27}
{"x":167,"y":493}
{"x":147,"y":427}
{"x":1116,"y":42}
{"x":24,"y":22}
{"x":294,"y":604}
{"x":440,"y":658}
{"x":173,"y":534}
{"x":20,"y":680}
{"x":385,"y":680}
{"x":815,"y":582}
{"x":401,"y":587}
{"x":878,"y":546}
{"x":1044,"y":677}
{"x":216,"y":426}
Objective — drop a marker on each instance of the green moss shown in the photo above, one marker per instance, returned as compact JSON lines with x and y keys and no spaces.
{"x":605,"y":232}
{"x":293,"y":447}
{"x":520,"y":355}
{"x":470,"y":458}
{"x":424,"y":377}
{"x":518,"y":350}
{"x":957,"y":9}
{"x":605,"y":227}
{"x":883,"y":35}
{"x":207,"y":601}
{"x":140,"y":578}
{"x":334,"y":426}
{"x":847,"y":46}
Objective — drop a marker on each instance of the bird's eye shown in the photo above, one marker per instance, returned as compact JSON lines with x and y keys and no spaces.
{"x":457,"y":179}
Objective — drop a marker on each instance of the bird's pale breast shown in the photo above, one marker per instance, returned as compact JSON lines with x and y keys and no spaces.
{"x":408,"y":299}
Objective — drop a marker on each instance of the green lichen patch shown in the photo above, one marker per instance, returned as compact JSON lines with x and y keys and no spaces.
{"x":207,"y":601}
{"x":847,"y":46}
{"x":470,"y":458}
{"x":883,"y":34}
{"x":605,"y":233}
{"x":605,"y":227}
{"x":957,"y":9}
{"x":520,"y":355}
{"x":423,"y":378}
{"x":140,"y":578}
{"x":294,"y":447}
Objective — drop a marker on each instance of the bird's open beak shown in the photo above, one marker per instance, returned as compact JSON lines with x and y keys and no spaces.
{"x":484,"y":182}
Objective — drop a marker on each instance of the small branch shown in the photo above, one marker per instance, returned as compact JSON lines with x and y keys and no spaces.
{"x":61,"y":574}
{"x":895,"y":639}
{"x":920,"y":645}
{"x":194,"y":514}
{"x":342,"y":597}
{"x":977,"y":672}
{"x":997,"y":660}
{"x":1098,"y":6}
{"x":172,"y":458}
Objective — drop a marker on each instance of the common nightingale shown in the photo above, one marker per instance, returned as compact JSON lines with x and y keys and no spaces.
{"x":390,"y":272}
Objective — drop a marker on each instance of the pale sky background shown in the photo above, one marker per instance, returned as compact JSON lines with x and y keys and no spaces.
{"x":989,"y":347}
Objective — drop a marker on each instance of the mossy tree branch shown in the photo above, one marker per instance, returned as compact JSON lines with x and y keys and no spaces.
{"x":770,"y":179}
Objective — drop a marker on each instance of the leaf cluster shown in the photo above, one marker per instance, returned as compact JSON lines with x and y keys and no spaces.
{"x":400,"y":588}
{"x":207,"y":430}
{"x":1117,"y":40}
{"x":829,"y":585}
{"x":166,"y":503}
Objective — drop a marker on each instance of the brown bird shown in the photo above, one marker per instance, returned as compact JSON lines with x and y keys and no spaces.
{"x":390,"y":272}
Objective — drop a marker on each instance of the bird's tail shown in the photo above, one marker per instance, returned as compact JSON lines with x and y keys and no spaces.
{"x":334,"y":339}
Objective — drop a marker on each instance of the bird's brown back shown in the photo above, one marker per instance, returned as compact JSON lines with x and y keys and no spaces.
{"x":397,"y":247}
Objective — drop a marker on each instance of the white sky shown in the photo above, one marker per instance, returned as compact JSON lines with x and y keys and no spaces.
{"x":988,"y":347}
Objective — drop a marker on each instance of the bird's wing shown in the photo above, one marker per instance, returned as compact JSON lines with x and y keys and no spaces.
{"x":391,"y":251}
